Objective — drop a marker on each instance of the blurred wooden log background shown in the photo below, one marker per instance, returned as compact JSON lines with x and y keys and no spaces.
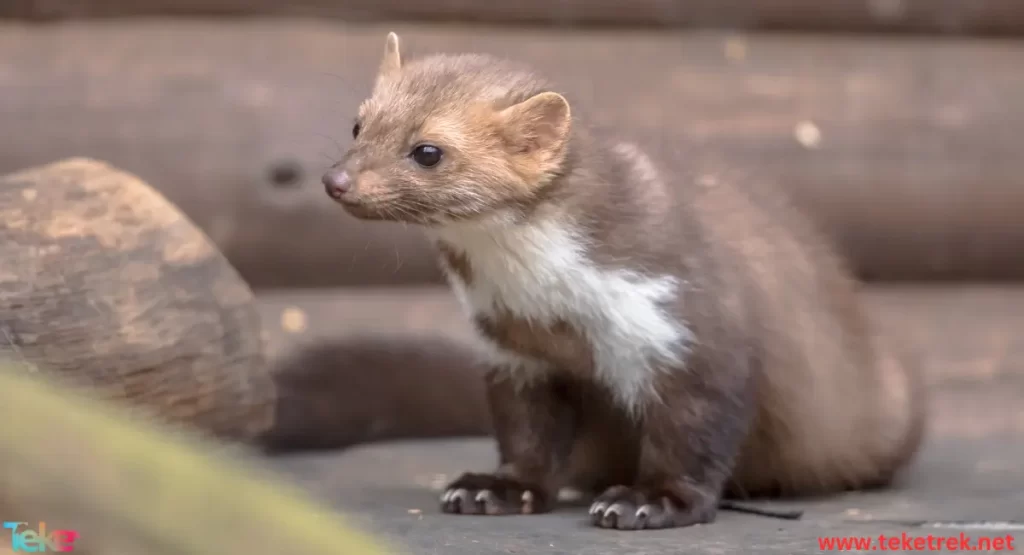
{"x":907,"y":150}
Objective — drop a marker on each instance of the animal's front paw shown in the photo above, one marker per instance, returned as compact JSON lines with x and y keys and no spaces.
{"x":627,"y":508}
{"x":487,"y":494}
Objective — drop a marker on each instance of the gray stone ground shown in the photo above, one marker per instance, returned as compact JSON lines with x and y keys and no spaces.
{"x":392,"y":489}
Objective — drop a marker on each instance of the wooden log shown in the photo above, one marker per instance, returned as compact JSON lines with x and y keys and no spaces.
{"x":905,"y":150}
{"x":926,"y":16}
{"x":981,"y":349}
{"x":106,"y":286}
{"x":981,"y":344}
{"x":146,"y":489}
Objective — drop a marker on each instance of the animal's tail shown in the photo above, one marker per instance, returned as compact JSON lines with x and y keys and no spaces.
{"x":364,"y":389}
{"x":910,"y":362}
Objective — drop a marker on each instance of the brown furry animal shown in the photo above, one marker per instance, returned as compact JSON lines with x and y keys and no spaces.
{"x":657,"y":345}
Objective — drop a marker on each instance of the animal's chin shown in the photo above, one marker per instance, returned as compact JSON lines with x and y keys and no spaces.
{"x":385,"y":212}
{"x":380,"y":212}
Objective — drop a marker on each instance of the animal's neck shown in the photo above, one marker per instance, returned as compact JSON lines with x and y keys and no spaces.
{"x":547,"y":241}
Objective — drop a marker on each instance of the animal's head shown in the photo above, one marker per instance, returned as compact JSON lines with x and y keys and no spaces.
{"x":448,"y":138}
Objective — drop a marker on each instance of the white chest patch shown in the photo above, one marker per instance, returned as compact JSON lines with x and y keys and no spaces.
{"x":541,"y":272}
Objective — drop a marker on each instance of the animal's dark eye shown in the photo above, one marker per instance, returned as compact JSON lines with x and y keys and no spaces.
{"x":355,"y":130}
{"x":426,"y":155}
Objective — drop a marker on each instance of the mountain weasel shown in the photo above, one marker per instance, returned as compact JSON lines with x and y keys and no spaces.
{"x":657,"y":341}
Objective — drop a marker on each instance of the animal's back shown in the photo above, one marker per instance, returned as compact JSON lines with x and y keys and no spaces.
{"x":836,"y":407}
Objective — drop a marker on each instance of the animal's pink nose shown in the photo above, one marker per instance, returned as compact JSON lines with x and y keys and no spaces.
{"x":336,"y":182}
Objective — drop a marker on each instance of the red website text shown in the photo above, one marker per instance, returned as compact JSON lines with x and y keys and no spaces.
{"x":906,"y":542}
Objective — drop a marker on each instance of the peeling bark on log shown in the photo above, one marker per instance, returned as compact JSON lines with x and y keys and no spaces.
{"x":105,"y":285}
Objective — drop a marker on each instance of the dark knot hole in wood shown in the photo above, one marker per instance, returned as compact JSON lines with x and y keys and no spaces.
{"x":285,"y":174}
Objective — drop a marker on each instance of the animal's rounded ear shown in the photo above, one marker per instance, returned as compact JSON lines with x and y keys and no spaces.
{"x":540,"y":123}
{"x":392,"y":55}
